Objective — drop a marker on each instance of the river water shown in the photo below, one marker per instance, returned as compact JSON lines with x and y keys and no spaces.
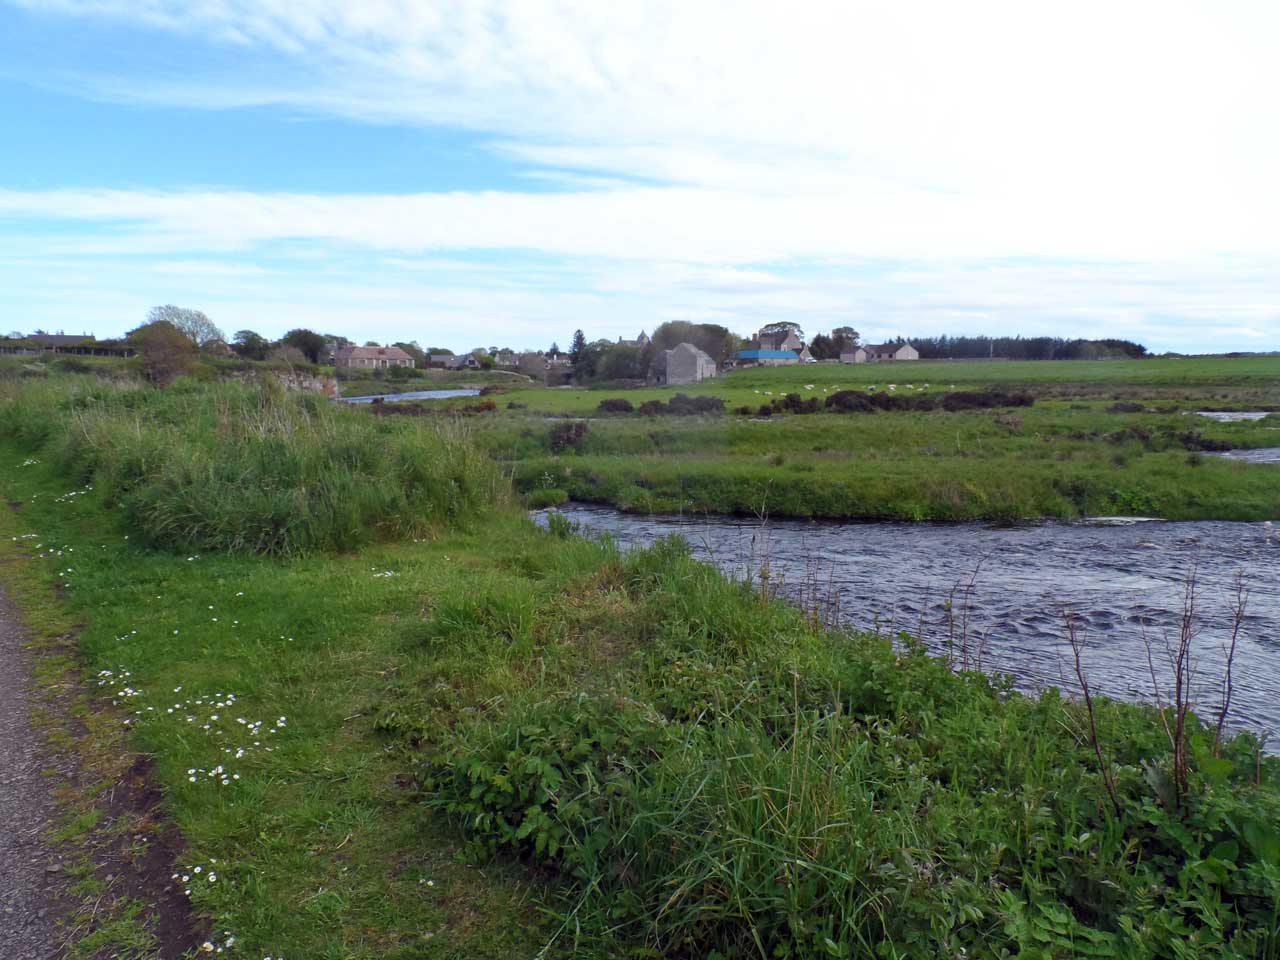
{"x":414,"y":395}
{"x":1002,"y":592}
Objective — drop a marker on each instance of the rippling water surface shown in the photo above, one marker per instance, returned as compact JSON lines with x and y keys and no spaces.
{"x":1120,"y":580}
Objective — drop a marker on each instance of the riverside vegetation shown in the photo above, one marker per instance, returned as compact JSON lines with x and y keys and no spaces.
{"x":1068,"y":439}
{"x":493,"y":740}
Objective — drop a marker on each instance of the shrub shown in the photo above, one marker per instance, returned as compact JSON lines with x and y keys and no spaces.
{"x":985,"y":400}
{"x":850,"y":401}
{"x":72,"y":365}
{"x":683,"y":406}
{"x":1195,"y":440}
{"x":616,"y":405}
{"x":568,"y":435}
{"x":652,"y":408}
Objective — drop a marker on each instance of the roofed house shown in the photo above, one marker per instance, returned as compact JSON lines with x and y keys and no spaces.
{"x":888,"y":352}
{"x":682,"y":364}
{"x":856,"y":355}
{"x":371,"y":357}
{"x":639,"y":342}
{"x":55,"y":341}
{"x":765,"y":358}
{"x":785,"y":340}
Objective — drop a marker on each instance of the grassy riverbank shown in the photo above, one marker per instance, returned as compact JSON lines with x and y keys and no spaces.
{"x":1100,"y":439}
{"x":478,"y":739}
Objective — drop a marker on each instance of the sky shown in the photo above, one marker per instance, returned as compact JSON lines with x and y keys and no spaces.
{"x":472,"y":173}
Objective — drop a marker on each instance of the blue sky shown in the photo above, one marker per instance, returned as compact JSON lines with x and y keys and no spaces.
{"x":470,"y":172}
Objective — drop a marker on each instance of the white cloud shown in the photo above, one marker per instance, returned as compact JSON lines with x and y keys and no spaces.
{"x":713,"y":151}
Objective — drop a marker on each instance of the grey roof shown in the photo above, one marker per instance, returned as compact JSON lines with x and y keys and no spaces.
{"x":60,"y":339}
{"x":700,"y":354}
{"x":371,"y":353}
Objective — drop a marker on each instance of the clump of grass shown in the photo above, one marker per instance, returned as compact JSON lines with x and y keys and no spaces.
{"x":251,"y":468}
{"x":748,"y":783}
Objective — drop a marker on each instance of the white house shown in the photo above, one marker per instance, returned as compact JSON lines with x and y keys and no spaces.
{"x":889,"y":352}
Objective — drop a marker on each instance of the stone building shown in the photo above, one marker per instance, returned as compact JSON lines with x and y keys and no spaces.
{"x":682,"y":364}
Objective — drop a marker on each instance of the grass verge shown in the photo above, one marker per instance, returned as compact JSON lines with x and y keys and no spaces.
{"x":497,"y":740}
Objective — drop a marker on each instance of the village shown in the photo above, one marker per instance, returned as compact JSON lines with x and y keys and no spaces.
{"x":642,"y":360}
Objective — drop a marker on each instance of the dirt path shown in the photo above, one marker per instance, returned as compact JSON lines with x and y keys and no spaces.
{"x":30,"y":873}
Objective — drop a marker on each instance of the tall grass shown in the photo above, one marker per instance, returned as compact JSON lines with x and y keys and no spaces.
{"x":738,"y":782}
{"x":250,"y":468}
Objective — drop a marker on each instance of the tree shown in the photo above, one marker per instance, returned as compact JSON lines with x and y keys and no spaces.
{"x":415,"y":351}
{"x":308,"y":341}
{"x":845,"y":338}
{"x":555,"y":347}
{"x":714,"y":340}
{"x":824,"y":347}
{"x":165,"y":350}
{"x":576,"y":348}
{"x":250,"y":345}
{"x":284,"y":353}
{"x":781,"y":327}
{"x":197,"y":327}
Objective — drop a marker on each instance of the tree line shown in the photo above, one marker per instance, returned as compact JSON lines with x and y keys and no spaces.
{"x":946,"y":347}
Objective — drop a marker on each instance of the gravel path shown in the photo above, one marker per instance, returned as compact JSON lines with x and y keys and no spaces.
{"x":30,"y":873}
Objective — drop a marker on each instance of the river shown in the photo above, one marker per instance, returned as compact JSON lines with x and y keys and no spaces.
{"x":1009,"y":587}
{"x":414,"y":395}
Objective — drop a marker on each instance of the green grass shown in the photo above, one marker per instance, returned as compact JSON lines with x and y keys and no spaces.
{"x":251,"y":468}
{"x":319,"y":853}
{"x":1060,"y":458}
{"x":492,"y":739}
{"x":1245,"y":380}
{"x":1081,"y":450}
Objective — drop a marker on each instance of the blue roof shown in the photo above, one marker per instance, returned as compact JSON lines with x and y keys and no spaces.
{"x":768,"y":355}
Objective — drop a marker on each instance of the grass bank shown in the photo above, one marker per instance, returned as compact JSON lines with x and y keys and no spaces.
{"x":1059,"y":458}
{"x":497,"y":739}
{"x":235,"y":467}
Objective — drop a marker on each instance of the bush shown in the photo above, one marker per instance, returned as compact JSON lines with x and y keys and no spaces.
{"x":616,"y":405}
{"x":72,"y":365}
{"x":568,"y":436}
{"x":850,"y":401}
{"x":985,"y":400}
{"x":652,"y":408}
{"x":683,"y":406}
{"x":1195,"y":440}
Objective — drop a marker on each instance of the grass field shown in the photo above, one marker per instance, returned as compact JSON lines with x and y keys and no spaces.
{"x":1250,"y":381}
{"x":479,"y":739}
{"x":1102,"y":438}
